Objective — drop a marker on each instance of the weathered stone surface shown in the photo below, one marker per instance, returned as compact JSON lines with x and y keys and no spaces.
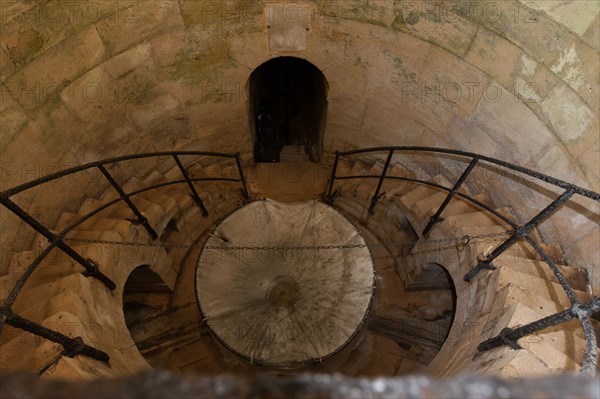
{"x":569,"y":116}
{"x":592,"y":36}
{"x":7,"y":67}
{"x":457,"y":82}
{"x":183,"y":76}
{"x":436,"y":23}
{"x":222,"y":13}
{"x":111,"y":87}
{"x":139,"y":21}
{"x":12,"y":117}
{"x":37,"y":83}
{"x":34,"y":31}
{"x":377,"y":12}
{"x":498,"y":112}
{"x":526,"y":27}
{"x":577,"y":16}
{"x":577,"y":65}
{"x":589,"y":161}
{"x":464,"y":132}
{"x":514,"y":69}
{"x":553,"y":163}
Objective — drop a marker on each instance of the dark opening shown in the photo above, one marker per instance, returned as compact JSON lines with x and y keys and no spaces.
{"x":288,"y":106}
{"x":144,"y":294}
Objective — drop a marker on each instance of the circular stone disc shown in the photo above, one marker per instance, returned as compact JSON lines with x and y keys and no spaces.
{"x":284,"y":307}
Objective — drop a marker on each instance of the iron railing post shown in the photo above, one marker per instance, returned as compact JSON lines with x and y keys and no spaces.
{"x":436,"y":217}
{"x":91,"y":270}
{"x":195,"y":195}
{"x":518,"y":233}
{"x":510,"y":336}
{"x":125,"y":197}
{"x":72,"y":346}
{"x":557,"y":273}
{"x":376,"y":196}
{"x":329,"y":196}
{"x":242,"y":178}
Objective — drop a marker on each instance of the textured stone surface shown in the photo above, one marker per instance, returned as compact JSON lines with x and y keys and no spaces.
{"x":138,"y":21}
{"x":183,"y":67}
{"x":37,"y":83}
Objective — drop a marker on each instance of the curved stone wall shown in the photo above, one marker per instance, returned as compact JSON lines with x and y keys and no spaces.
{"x":82,"y":81}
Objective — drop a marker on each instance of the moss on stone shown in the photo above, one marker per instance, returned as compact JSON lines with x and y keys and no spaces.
{"x":29,"y":43}
{"x":399,"y":24}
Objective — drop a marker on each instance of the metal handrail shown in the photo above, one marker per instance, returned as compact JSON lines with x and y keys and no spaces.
{"x":508,"y":337}
{"x":76,"y":346}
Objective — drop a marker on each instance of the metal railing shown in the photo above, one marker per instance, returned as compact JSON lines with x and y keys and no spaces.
{"x":508,"y":336}
{"x":76,"y":346}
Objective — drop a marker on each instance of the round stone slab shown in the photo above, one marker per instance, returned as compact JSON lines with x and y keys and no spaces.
{"x":285,"y":306}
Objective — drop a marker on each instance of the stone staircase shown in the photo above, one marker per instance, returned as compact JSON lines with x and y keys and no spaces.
{"x":522,"y":290}
{"x":59,"y":297}
{"x":424,"y":318}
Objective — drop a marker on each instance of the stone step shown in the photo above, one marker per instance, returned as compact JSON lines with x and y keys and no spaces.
{"x":181,"y":195}
{"x":168,"y":204}
{"x":421,"y":191}
{"x":169,"y":207}
{"x":348,"y":187}
{"x":152,"y":178}
{"x":459,"y":230}
{"x":104,"y":235}
{"x":576,"y":277}
{"x":131,"y":185}
{"x":151,"y":211}
{"x":407,"y":162}
{"x":33,"y":298}
{"x":390,"y":231}
{"x":351,"y":206}
{"x":541,"y":286}
{"x":399,"y":170}
{"x":293,"y":153}
{"x":365,"y":190}
{"x":64,"y":220}
{"x":128,"y":230}
{"x":173,"y":173}
{"x":27,"y":352}
{"x":567,"y":337}
{"x":419,"y":219}
{"x":51,"y":271}
{"x":393,"y":189}
{"x":7,"y":282}
{"x":88,"y":205}
{"x":479,"y":219}
{"x":510,"y":363}
{"x":20,"y":261}
{"x":483,"y":245}
{"x":344,"y":167}
{"x":78,"y":368}
{"x":543,"y":345}
{"x":513,"y":293}
{"x":427,"y":207}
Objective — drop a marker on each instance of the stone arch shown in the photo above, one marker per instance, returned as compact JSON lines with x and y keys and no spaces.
{"x":287,"y":110}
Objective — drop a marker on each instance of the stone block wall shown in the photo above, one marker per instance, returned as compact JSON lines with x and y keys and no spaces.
{"x":82,"y":81}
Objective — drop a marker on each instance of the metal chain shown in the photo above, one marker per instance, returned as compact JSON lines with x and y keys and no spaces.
{"x":246,"y":247}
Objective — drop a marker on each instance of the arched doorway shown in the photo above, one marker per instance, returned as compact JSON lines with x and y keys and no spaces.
{"x":288,"y":107}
